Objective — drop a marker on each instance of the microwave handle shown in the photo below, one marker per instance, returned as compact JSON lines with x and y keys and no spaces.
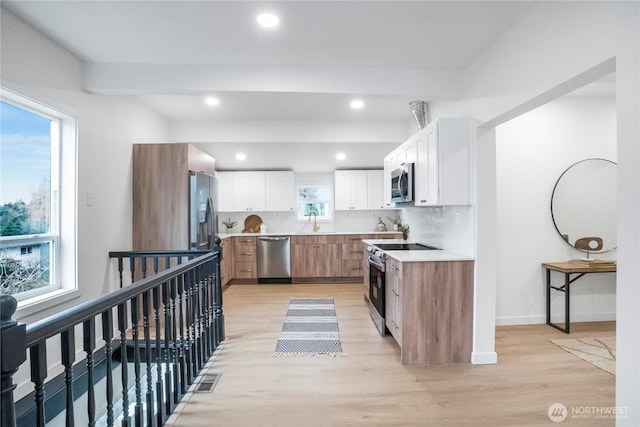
{"x":402,"y":175}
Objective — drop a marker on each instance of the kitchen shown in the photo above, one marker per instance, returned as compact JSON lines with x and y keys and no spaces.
{"x":107,"y":150}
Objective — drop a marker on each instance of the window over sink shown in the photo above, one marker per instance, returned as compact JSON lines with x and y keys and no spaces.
{"x":314,"y":199}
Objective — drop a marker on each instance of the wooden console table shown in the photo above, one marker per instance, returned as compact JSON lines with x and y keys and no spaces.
{"x":580,"y":268}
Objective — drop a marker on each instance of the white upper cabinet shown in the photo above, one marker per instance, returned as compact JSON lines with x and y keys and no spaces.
{"x":389,"y":165}
{"x":225,"y":191}
{"x":251,"y":191}
{"x":443,"y":163}
{"x":351,"y":190}
{"x":358,"y":190}
{"x":241,"y":191}
{"x":375,"y":189}
{"x":280,"y":191}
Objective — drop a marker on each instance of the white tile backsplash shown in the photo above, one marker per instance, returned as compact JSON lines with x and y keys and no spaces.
{"x":356,"y":221}
{"x":447,"y":227}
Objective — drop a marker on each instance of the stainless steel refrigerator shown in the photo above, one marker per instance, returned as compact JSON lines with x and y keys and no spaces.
{"x":203,"y":224}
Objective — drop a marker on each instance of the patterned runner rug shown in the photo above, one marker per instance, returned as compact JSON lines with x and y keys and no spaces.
{"x":600,"y":352}
{"x":310,"y":328}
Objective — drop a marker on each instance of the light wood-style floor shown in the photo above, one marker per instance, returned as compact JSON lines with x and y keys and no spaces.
{"x":369,"y":387}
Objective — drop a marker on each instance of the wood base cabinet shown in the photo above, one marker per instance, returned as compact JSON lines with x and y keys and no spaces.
{"x":316,"y":256}
{"x":245,"y":258}
{"x":430,"y":310}
{"x":227,"y":263}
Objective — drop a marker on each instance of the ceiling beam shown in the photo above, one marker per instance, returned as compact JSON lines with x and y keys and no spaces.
{"x":109,"y":78}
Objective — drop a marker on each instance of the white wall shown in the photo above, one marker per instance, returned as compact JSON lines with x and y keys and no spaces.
{"x":34,"y":66}
{"x":532,"y":152}
{"x":554,"y":49}
{"x":37,"y":68}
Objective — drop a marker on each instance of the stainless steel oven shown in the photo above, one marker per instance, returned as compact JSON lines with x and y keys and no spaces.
{"x":377,"y":273}
{"x":377,"y":279}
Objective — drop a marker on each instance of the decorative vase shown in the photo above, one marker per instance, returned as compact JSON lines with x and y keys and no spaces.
{"x":420,"y":111}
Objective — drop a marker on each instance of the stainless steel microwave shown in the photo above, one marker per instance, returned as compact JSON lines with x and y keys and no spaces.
{"x":402,"y":184}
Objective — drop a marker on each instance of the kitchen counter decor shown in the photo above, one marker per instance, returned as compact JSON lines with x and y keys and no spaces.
{"x":310,"y":329}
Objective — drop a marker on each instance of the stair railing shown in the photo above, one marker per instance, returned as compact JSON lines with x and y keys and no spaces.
{"x":172,"y":321}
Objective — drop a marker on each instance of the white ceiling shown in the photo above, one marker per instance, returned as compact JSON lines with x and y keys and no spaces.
{"x":323,"y":54}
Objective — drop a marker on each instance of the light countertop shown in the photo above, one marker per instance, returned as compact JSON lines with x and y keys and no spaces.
{"x":419,"y":255}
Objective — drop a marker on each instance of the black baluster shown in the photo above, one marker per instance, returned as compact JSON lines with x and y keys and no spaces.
{"x":181,"y":348}
{"x":155,"y":265}
{"x":38,"y":358}
{"x":147,"y":347}
{"x":174,"y":343}
{"x":219,"y":316}
{"x":156,"y":311}
{"x":107,"y":336}
{"x":132,"y":268}
{"x":214,"y":323}
{"x":68,"y":347}
{"x":143,"y":265}
{"x":120,"y":269}
{"x":89,"y":345}
{"x":197,"y":325}
{"x":136,"y":359}
{"x":167,"y":339}
{"x":122,"y":327}
{"x":206,"y":329}
{"x":190,"y":352}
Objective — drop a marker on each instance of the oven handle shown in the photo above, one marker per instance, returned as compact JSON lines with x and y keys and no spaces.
{"x":377,"y":263}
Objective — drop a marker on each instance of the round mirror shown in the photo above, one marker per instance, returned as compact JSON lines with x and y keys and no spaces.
{"x":583,"y":205}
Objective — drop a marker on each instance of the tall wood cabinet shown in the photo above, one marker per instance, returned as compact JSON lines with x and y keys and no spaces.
{"x":161,"y":193}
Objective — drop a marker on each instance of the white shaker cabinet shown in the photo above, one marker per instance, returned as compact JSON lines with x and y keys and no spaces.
{"x":241,"y":191}
{"x":375,"y":189}
{"x":225,"y":191}
{"x":443,"y":163}
{"x":350,"y":190}
{"x":389,"y":166}
{"x":280,"y":191}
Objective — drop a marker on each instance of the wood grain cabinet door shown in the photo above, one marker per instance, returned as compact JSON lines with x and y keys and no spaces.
{"x":303,"y":260}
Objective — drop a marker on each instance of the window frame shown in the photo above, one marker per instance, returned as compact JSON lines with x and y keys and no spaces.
{"x":62,"y":227}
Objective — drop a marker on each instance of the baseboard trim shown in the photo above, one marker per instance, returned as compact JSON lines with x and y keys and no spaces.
{"x":542,"y":319}
{"x":489,"y":358}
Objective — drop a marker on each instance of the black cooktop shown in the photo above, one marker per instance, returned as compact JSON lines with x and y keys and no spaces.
{"x":405,"y":247}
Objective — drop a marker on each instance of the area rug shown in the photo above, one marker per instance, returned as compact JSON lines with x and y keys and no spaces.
{"x":600,"y":352}
{"x":310,"y":328}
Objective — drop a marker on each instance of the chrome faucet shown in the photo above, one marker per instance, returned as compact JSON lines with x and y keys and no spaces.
{"x":316,"y":227}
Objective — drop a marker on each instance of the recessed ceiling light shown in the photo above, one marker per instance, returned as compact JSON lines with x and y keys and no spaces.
{"x":212,"y":102}
{"x":268,"y":20}
{"x":241,"y":156}
{"x":357,"y":104}
{"x":341,"y":156}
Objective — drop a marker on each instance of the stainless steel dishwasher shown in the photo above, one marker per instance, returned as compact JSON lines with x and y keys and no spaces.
{"x":274,"y":259}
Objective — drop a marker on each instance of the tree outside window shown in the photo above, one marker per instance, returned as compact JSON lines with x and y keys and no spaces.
{"x":314,"y":199}
{"x":25,"y":200}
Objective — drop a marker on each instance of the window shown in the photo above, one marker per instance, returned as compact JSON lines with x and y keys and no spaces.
{"x":314,"y":199}
{"x":34,"y":142}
